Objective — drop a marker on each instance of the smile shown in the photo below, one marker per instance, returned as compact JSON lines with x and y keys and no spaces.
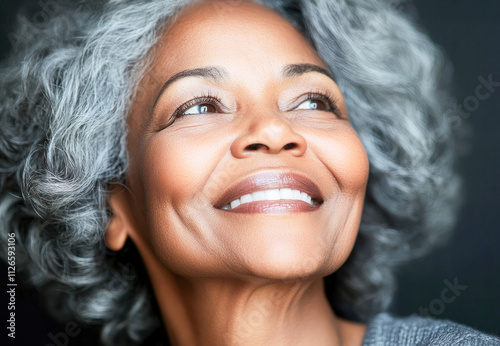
{"x":271,"y":192}
{"x":271,"y":195}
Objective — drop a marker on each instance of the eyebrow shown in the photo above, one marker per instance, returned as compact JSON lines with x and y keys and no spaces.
{"x":296,"y":70}
{"x":217,"y":74}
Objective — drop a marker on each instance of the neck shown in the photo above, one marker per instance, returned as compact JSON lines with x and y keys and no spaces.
{"x":253,"y":312}
{"x":227,"y":312}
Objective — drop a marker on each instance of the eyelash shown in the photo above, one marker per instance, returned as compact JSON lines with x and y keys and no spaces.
{"x":207,"y":98}
{"x":216,"y":101}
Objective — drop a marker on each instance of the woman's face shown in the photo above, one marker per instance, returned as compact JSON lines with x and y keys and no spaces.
{"x":237,"y":95}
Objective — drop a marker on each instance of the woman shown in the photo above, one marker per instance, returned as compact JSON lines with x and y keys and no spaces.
{"x":238,"y":147}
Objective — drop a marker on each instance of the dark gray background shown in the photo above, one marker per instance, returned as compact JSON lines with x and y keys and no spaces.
{"x":469,"y":33}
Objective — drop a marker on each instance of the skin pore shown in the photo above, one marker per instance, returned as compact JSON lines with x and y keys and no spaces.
{"x":235,"y":90}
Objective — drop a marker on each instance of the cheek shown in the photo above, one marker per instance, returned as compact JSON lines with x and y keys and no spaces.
{"x":345,"y":157}
{"x":342,"y":152}
{"x":173,"y":169}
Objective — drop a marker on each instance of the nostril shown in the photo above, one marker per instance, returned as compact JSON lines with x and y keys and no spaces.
{"x":254,"y":146}
{"x":257,"y":146}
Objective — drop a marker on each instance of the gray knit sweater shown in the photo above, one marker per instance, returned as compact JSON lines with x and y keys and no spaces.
{"x":414,"y":330}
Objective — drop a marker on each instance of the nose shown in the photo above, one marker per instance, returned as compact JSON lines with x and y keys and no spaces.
{"x":271,"y":135}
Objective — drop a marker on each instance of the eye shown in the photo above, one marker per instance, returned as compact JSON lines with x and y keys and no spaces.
{"x":200,"y":109}
{"x":320,"y":101}
{"x":315,"y":104}
{"x":200,"y":105}
{"x":205,"y":104}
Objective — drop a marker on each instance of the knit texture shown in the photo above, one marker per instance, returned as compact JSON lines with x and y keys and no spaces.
{"x":385,"y":329}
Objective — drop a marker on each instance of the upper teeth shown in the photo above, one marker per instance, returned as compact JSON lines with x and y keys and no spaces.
{"x":270,"y":195}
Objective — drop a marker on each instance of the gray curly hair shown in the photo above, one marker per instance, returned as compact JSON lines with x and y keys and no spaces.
{"x":65,"y":93}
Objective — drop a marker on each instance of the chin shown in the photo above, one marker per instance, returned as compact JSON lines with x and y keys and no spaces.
{"x":282,"y":262}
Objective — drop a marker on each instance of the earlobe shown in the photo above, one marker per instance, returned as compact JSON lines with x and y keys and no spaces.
{"x":119,"y":226}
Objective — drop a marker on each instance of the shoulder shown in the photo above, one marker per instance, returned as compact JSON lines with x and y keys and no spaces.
{"x":385,"y":329}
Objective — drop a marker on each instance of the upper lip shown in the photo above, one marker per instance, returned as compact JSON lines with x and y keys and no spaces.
{"x":270,"y":180}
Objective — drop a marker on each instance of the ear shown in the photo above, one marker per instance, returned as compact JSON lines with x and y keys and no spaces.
{"x":119,"y":225}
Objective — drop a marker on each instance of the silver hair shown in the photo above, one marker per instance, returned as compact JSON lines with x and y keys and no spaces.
{"x":65,"y":92}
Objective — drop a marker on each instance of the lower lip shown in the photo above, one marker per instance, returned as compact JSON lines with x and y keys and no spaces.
{"x":274,"y":207}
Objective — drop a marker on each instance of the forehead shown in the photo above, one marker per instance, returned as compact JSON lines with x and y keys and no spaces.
{"x":234,"y":34}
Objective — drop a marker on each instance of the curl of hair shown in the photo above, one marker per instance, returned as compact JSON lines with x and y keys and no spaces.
{"x":65,"y":92}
